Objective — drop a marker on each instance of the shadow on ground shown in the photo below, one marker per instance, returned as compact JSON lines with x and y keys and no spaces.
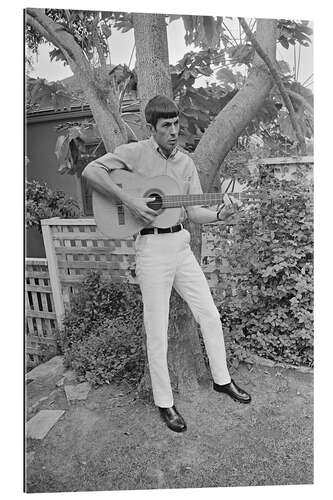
{"x":114,"y":442}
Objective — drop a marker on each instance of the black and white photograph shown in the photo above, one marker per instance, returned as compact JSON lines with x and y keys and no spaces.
{"x":168,"y":249}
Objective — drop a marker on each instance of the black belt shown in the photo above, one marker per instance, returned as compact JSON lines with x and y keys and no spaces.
{"x":159,"y":230}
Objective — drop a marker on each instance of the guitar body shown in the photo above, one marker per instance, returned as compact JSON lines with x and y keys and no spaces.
{"x":115,"y":221}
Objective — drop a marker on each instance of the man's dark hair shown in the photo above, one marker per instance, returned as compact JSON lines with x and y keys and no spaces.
{"x":160,"y":107}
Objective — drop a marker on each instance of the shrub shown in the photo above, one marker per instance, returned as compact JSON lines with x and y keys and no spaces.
{"x":270,"y":254}
{"x":43,"y":203}
{"x":101,"y":337}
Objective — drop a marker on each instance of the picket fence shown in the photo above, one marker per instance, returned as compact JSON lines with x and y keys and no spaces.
{"x":41,"y":321}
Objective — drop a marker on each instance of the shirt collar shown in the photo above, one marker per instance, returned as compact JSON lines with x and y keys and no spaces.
{"x":158,"y":149}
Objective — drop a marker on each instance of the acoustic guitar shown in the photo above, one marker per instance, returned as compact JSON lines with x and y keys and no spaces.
{"x":115,"y":221}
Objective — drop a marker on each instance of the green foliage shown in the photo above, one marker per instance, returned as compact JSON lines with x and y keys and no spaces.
{"x":291,"y":32}
{"x":270,"y":254}
{"x":43,"y":203}
{"x":199,"y":106}
{"x":203,"y":31}
{"x":76,"y":140}
{"x":87,"y":27}
{"x":102,"y":334}
{"x":43,"y":94}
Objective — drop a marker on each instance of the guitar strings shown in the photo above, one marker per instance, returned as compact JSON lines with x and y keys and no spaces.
{"x":178,"y":201}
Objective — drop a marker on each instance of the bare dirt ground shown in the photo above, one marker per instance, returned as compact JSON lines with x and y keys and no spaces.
{"x":113,"y":441}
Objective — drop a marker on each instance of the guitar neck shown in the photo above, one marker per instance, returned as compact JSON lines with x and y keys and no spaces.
{"x":209,"y":199}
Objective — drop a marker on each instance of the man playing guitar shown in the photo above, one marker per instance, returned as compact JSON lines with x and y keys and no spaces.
{"x":163,"y":255}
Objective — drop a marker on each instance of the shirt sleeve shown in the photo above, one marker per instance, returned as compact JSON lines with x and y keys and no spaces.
{"x":122,"y":158}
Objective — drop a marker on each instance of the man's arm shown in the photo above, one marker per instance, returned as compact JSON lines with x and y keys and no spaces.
{"x":100,"y":180}
{"x":201,"y":215}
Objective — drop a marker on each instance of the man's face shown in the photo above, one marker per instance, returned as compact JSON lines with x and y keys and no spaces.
{"x":166,"y":133}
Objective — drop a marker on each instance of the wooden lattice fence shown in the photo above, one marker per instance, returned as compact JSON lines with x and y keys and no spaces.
{"x":41,"y":320}
{"x":76,"y":246}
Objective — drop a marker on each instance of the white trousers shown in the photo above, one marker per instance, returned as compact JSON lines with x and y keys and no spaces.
{"x":163,"y":261}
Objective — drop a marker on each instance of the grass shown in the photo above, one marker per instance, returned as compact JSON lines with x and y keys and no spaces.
{"x":115,"y":442}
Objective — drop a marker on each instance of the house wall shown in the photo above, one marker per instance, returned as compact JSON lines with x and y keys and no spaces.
{"x":41,"y":139}
{"x":40,"y":142}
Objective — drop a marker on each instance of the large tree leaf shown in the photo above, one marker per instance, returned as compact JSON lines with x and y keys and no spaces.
{"x":226,"y":76}
{"x":57,"y":55}
{"x":123,"y":21}
{"x":241,"y":54}
{"x":283,"y":67}
{"x":290,"y":32}
{"x":203,"y":31}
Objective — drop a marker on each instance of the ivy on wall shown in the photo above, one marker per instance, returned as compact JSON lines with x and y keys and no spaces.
{"x":270,"y":258}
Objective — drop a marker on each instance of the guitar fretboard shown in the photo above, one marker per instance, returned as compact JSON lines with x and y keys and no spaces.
{"x":172,"y":201}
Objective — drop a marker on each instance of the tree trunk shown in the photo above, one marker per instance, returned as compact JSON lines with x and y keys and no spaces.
{"x":279,"y":83}
{"x":107,"y":118}
{"x":152,"y":59}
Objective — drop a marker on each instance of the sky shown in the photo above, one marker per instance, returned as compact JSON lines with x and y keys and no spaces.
{"x":121,"y":45}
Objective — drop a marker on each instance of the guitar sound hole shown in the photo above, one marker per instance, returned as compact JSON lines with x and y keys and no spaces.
{"x":156,"y":204}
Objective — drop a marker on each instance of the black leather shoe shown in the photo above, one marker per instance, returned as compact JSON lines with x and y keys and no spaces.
{"x":233,"y":391}
{"x":173,"y":419}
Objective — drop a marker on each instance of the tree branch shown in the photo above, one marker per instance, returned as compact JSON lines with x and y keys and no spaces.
{"x":301,"y":99}
{"x":99,"y":47}
{"x":122,"y":94}
{"x":261,"y":53}
{"x":65,"y":41}
{"x":223,"y":131}
{"x":232,"y":36}
{"x":35,"y":24}
{"x":104,"y":107}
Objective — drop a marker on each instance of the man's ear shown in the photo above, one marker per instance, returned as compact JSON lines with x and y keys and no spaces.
{"x":150,"y":128}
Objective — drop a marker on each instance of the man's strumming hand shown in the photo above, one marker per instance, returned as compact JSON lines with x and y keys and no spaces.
{"x":139,"y":208}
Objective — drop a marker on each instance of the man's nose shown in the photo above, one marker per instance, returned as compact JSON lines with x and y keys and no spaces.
{"x":174,"y":130}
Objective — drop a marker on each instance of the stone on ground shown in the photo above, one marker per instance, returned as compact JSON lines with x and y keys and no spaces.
{"x":77,"y":392}
{"x":39,"y":425}
{"x":70,"y":375}
{"x":60,"y":382}
{"x":51,"y":368}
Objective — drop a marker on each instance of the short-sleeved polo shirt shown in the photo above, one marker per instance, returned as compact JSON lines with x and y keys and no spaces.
{"x":146,"y":158}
